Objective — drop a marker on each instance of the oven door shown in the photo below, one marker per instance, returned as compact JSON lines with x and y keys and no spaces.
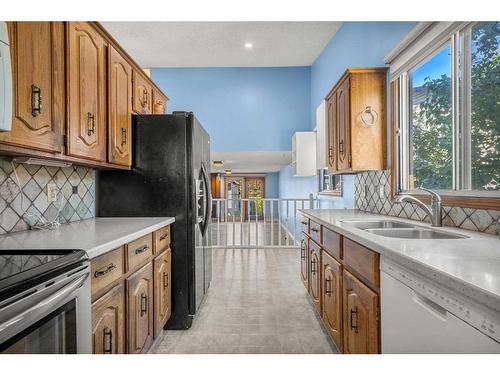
{"x":53,"y":318}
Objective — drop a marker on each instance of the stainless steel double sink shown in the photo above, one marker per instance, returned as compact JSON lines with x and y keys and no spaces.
{"x":399,"y":229}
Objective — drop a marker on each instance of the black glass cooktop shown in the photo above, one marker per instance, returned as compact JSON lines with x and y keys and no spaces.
{"x":21,"y":269}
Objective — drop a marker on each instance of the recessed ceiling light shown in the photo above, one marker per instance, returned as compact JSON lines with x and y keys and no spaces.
{"x":248,"y":45}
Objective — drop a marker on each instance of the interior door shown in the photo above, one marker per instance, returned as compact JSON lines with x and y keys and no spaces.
{"x":120,"y":108}
{"x":343,"y":126}
{"x":255,"y":192}
{"x":87,"y":89}
{"x":361,"y":323}
{"x":37,"y":54}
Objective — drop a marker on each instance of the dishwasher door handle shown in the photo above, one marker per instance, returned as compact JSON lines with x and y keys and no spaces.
{"x":429,"y":305}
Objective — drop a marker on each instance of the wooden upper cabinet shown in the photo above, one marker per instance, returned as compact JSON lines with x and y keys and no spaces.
{"x":159,"y":102}
{"x":361,"y":319}
{"x":162,"y":290}
{"x":108,"y":322}
{"x":140,"y":310}
{"x":142,"y":91}
{"x":119,"y":109}
{"x":37,"y":54}
{"x":331,"y":131}
{"x":86,"y":61}
{"x":343,"y":137}
{"x":357,"y":121}
{"x":331,"y":275}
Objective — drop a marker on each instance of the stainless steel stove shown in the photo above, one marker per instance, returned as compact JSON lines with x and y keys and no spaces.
{"x":44,"y":302}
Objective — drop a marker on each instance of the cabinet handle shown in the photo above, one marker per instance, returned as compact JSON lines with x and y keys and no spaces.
{"x":328,"y":281}
{"x":124,"y":136}
{"x":164,"y":236}
{"x":140,"y":250}
{"x":303,"y":222}
{"x":313,"y":266}
{"x":104,"y":270}
{"x":108,"y":341}
{"x":374,"y":114}
{"x":145,"y":98}
{"x":144,"y":304}
{"x":165,"y":280}
{"x":354,"y":312}
{"x":36,"y":100}
{"x":303,"y":251}
{"x":330,"y":154}
{"x":341,"y":147}
{"x":316,"y":230}
{"x":90,"y":123}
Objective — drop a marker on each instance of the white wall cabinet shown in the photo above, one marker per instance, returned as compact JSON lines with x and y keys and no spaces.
{"x":321,"y":136}
{"x":304,"y":154}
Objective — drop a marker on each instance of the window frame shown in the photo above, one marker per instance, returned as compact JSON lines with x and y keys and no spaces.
{"x":459,"y":36}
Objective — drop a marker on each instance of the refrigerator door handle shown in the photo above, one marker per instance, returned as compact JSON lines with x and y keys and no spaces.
{"x":207,"y":201}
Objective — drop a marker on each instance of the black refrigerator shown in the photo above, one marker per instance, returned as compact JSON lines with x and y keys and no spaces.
{"x":169,"y":177}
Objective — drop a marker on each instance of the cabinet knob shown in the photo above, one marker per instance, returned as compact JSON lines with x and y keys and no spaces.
{"x":144,"y":304}
{"x":353,"y":325}
{"x":124,"y":136}
{"x":328,"y":282}
{"x":313,"y":266}
{"x":165,"y":280}
{"x":90,"y":123}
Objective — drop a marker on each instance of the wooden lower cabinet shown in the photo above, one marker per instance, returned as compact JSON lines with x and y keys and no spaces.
{"x":361,"y":319}
{"x":331,"y":276}
{"x":162,"y":290}
{"x":108,"y":322}
{"x":140,"y":310}
{"x":314,"y":274}
{"x":304,"y":261}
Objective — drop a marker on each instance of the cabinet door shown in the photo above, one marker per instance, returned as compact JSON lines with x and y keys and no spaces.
{"x":361,"y":321}
{"x":162,"y":290}
{"x":314,"y":274}
{"x":332,"y":131}
{"x":140,"y":310}
{"x":120,"y":108}
{"x":159,"y":103}
{"x":86,"y":92}
{"x":304,"y":263}
{"x":37,"y":54}
{"x":331,"y":276}
{"x":343,"y":126}
{"x":108,"y":330}
{"x":142,"y":91}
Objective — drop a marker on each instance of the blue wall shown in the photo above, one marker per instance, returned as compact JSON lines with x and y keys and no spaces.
{"x":243,"y":109}
{"x":272,"y":185}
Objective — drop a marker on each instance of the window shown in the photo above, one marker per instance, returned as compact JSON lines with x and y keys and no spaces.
{"x":447,"y":111}
{"x":329,"y":184}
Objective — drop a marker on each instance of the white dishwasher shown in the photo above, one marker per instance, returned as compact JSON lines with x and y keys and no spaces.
{"x":419,"y":316}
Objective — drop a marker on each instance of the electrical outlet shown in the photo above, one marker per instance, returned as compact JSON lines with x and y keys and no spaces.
{"x":381,"y":191}
{"x":74,"y":189}
{"x":365,"y":191}
{"x":52,"y":191}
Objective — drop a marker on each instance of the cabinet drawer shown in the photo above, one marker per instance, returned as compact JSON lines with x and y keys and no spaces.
{"x":315,"y":231}
{"x":139,"y":251}
{"x":161,"y":239}
{"x":106,"y":269}
{"x":362,"y":262}
{"x":304,"y":224}
{"x":331,"y":243}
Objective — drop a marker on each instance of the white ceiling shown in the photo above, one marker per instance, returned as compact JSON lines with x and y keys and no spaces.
{"x":251,"y":161}
{"x":221,"y":44}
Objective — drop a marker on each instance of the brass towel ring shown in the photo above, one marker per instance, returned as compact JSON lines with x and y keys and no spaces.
{"x":371,"y":112}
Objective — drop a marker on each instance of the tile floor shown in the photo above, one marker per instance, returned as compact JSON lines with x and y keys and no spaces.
{"x":256,"y":304}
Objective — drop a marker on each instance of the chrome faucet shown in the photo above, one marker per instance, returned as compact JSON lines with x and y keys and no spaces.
{"x":434,"y":212}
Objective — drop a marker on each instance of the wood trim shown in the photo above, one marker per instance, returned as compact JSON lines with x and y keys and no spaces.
{"x":478,"y":202}
{"x":352,"y":71}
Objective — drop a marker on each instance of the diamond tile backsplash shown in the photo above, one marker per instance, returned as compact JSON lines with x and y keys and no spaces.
{"x":377,"y":182}
{"x":19,"y":211}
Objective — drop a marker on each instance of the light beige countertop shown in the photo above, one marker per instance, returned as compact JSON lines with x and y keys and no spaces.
{"x":469,"y":266}
{"x":96,"y":236}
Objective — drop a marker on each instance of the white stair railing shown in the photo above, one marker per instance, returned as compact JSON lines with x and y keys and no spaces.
{"x":257,"y":223}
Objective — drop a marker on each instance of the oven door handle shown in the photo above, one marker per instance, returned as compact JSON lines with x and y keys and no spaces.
{"x":43,"y":306}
